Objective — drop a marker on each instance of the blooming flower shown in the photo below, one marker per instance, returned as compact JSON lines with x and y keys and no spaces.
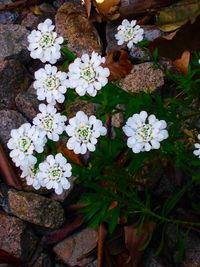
{"x":83,"y":132}
{"x":50,"y":84}
{"x":29,"y":172}
{"x":49,"y":121}
{"x":86,"y":75}
{"x":145,"y":132}
{"x":129,"y":32}
{"x":53,"y":173}
{"x":197,"y":146}
{"x":23,"y":142}
{"x":44,"y":43}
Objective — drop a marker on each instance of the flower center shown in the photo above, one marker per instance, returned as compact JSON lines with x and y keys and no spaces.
{"x":145,"y":132}
{"x":83,"y":133}
{"x":56,"y":173}
{"x":129,"y":33}
{"x":24,"y":143}
{"x":47,"y":40}
{"x":51,"y":83}
{"x":47,"y":123}
{"x":88,"y":74}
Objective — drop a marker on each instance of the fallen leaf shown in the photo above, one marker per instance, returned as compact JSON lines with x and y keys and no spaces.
{"x":108,"y":8}
{"x":135,"y":238}
{"x":5,"y":257}
{"x":101,"y":238}
{"x":173,"y":17}
{"x":35,"y":10}
{"x":69,"y":154}
{"x":118,"y":63}
{"x":8,"y":174}
{"x":186,"y":39}
{"x":88,"y":5}
{"x":183,"y":62}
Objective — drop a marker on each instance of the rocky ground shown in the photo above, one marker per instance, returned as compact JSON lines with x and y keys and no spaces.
{"x":28,"y":217}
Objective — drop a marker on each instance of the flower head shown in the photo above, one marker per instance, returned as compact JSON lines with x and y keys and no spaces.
{"x":29,"y":172}
{"x":44,"y":43}
{"x":197,"y":146}
{"x":49,"y":121}
{"x":86,"y":75}
{"x":129,"y":32}
{"x":23,"y":142}
{"x":83,"y":132}
{"x":53,"y":173}
{"x":50,"y":84}
{"x":145,"y":132}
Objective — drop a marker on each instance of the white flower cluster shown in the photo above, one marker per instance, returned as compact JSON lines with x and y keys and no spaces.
{"x":196,"y":152}
{"x":129,"y":33}
{"x":44,"y":44}
{"x":86,"y":75}
{"x":145,"y":132}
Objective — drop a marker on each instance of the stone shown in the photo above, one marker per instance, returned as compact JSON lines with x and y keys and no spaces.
{"x":13,"y":42}
{"x":14,"y":79}
{"x":79,"y":104}
{"x":36,"y":209}
{"x":16,"y":238}
{"x":143,"y":77}
{"x":31,"y":21}
{"x":27,"y":104}
{"x":77,"y":245}
{"x":77,"y":30}
{"x":10,"y":119}
{"x":7,"y":17}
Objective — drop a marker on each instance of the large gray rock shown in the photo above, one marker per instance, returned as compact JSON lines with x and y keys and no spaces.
{"x":7,"y":17}
{"x":36,"y":209}
{"x":16,"y":238}
{"x":14,"y":79}
{"x":13,"y":42}
{"x":10,"y":119}
{"x":77,"y":245}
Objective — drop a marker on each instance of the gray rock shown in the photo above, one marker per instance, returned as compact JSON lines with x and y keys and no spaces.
{"x":13,"y":42}
{"x":143,"y":77}
{"x":10,"y":119}
{"x":7,"y":17}
{"x":36,"y":209}
{"x":31,"y":21}
{"x":77,"y":245}
{"x":16,"y":238}
{"x":14,"y":79}
{"x":27,"y":104}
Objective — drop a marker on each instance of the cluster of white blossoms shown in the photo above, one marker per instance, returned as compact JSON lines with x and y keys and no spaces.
{"x":49,"y":121}
{"x":83,"y":132}
{"x":196,"y":152}
{"x":44,"y":43}
{"x":50,"y":84}
{"x":129,"y":33}
{"x":145,"y":132}
{"x":86,"y":75}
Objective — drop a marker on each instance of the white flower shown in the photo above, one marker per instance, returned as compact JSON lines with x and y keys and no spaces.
{"x":197,"y":146}
{"x":23,"y":142}
{"x":49,"y":121}
{"x":145,"y":132}
{"x":83,"y":132}
{"x":50,"y":84}
{"x":129,"y":32}
{"x":86,"y":75}
{"x":44,"y":43}
{"x":53,"y":173}
{"x":29,"y":172}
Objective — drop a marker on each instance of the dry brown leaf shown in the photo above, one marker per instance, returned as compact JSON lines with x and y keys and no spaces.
{"x":69,"y":154}
{"x":101,"y":238}
{"x":135,"y":240}
{"x":183,"y":62}
{"x":118,"y":63}
{"x":35,"y":10}
{"x":88,"y":5}
{"x":108,"y":8}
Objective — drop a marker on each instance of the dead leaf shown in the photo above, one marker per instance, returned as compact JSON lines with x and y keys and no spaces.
{"x":183,"y":62}
{"x":118,"y":63}
{"x":69,"y":154}
{"x":5,"y":257}
{"x":108,"y":8}
{"x":88,"y":5}
{"x":134,"y":240}
{"x":173,"y":17}
{"x":35,"y":10}
{"x":186,"y":39}
{"x":101,"y":238}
